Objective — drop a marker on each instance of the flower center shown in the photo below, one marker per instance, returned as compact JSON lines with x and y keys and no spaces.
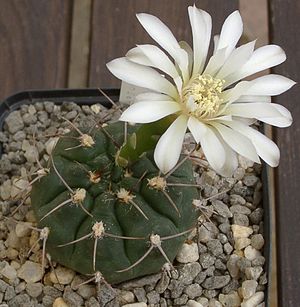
{"x":202,"y":96}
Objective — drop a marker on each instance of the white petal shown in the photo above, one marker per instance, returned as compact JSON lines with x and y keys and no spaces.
{"x":140,"y":75}
{"x":235,"y":93}
{"x":231,"y":32}
{"x":262,"y":58}
{"x":158,"y":59}
{"x":253,"y":98}
{"x":168,"y":148}
{"x":151,"y":96}
{"x":165,"y":38}
{"x":231,"y":160}
{"x":237,"y":142}
{"x":253,"y":110}
{"x":236,"y":60}
{"x":285,"y":120}
{"x":265,"y":147}
{"x":270,"y":85}
{"x":201,"y":29}
{"x":137,"y":56}
{"x":216,"y":42}
{"x":210,"y":143}
{"x":184,"y":45}
{"x":215,"y":62}
{"x":149,"y":111}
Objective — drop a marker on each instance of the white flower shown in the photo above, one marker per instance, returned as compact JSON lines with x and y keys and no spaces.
{"x":207,"y":99}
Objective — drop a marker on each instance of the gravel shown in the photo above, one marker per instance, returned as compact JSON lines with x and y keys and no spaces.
{"x":221,"y":264}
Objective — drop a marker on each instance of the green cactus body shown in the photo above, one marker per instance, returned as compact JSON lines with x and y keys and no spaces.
{"x":142,"y":212}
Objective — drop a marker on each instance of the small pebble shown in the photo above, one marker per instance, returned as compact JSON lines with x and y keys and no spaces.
{"x":34,"y":289}
{"x":253,"y":272}
{"x":7,"y":270}
{"x":59,"y":302}
{"x":188,"y":253}
{"x":192,"y":303}
{"x":140,"y":304}
{"x":31,"y":272}
{"x":257,"y":241}
{"x":241,"y":231}
{"x":241,"y":243}
{"x":248,"y":288}
{"x":251,"y":253}
{"x":193,"y":290}
{"x":254,"y":300}
{"x":64,"y":275}
{"x":230,"y":300}
{"x":216,"y":282}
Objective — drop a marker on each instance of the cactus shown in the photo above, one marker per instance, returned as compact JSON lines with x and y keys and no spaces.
{"x":104,"y":213}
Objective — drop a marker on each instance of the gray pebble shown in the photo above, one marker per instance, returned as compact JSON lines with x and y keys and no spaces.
{"x":92,"y":302}
{"x":140,"y":294}
{"x":180,"y":301}
{"x":257,"y":241}
{"x":258,"y":261}
{"x":39,"y":106}
{"x":200,"y":277}
{"x":206,"y":260}
{"x":14,"y":122}
{"x":19,"y":136}
{"x":87,"y":110}
{"x":233,"y":285}
{"x":219,"y":265}
{"x":202,"y":248}
{"x":256,"y":216}
{"x":210,"y":271}
{"x":193,"y":290}
{"x":207,"y":231}
{"x":216,"y":282}
{"x":228,"y":248}
{"x":163,"y":302}
{"x":15,"y":146}
{"x":237,"y":200}
{"x":3,"y":137}
{"x":19,"y":300}
{"x":48,"y":300}
{"x":105,"y":294}
{"x":240,"y":219}
{"x":153,"y":297}
{"x":141,"y":282}
{"x":113,"y":303}
{"x":225,"y":228}
{"x":49,"y":106}
{"x":51,"y":291}
{"x":71,"y":115}
{"x":29,"y":119}
{"x":5,"y":166}
{"x":250,"y":180}
{"x":240,"y":209}
{"x":188,"y":272}
{"x":221,"y":208}
{"x":176,"y":288}
{"x":215,"y":247}
{"x":210,"y":293}
{"x":34,"y":289}
{"x":9,"y":293}
{"x":163,"y":283}
{"x":3,"y":286}
{"x":42,"y":116}
{"x":222,"y":238}
{"x":20,"y":287}
{"x":243,"y":263}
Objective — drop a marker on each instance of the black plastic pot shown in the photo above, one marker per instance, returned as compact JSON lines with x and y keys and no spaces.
{"x":92,"y":96}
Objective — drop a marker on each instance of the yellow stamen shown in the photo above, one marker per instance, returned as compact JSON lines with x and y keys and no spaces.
{"x":202,"y":96}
